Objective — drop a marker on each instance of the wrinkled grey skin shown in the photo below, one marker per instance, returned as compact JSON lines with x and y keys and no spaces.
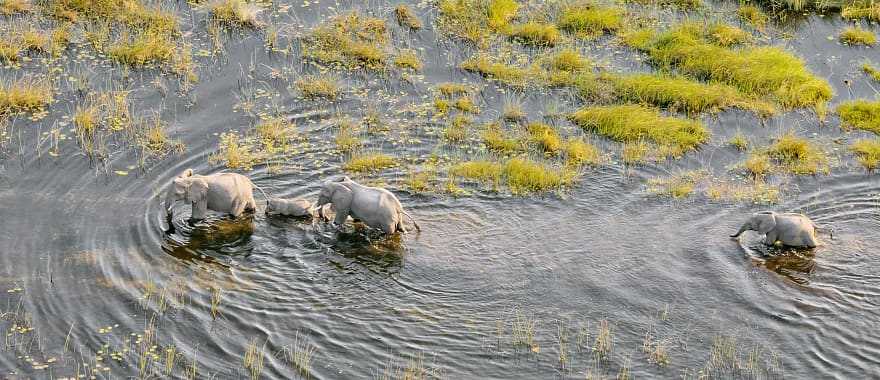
{"x":228,"y":193}
{"x":375,"y":207}
{"x":290,"y":207}
{"x":789,"y":229}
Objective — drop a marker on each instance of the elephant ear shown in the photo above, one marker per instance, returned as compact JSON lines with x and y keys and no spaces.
{"x":341,"y":199}
{"x":197,"y":190}
{"x":765,"y":222}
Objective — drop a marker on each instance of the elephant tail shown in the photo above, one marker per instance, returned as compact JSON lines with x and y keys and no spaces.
{"x":412,"y":219}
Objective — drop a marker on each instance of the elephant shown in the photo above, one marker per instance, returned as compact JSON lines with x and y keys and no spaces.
{"x":375,"y":207}
{"x":299,"y":207}
{"x":789,"y":229}
{"x":228,"y":193}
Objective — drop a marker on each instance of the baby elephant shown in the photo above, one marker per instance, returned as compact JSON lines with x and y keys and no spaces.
{"x":790,"y":229}
{"x":290,"y":207}
{"x":376,"y":207}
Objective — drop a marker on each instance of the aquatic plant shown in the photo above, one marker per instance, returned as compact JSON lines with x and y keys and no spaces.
{"x":871,"y":71}
{"x":726,"y":35}
{"x":346,"y":137}
{"x":318,"y":86}
{"x":498,"y":140}
{"x":408,"y":59}
{"x":797,"y":155}
{"x":508,"y":74}
{"x":858,"y":36}
{"x":578,"y":152}
{"x":501,"y":12}
{"x":752,"y":15}
{"x":535,"y":33}
{"x":407,"y":17}
{"x":351,"y":39}
{"x":369,"y":162}
{"x":567,"y":59}
{"x":457,"y":131}
{"x":631,"y":123}
{"x":860,"y":114}
{"x":482,"y":171}
{"x":635,"y":152}
{"x":142,"y":49}
{"x":132,"y":13}
{"x":861,"y":9}
{"x":233,"y":152}
{"x":452,"y":89}
{"x":253,"y":359}
{"x":545,"y":137}
{"x":10,"y":7}
{"x":236,"y":12}
{"x":739,"y":141}
{"x":761,"y":71}
{"x":441,"y":105}
{"x":867,"y":152}
{"x":588,"y":20}
{"x":24,"y":95}
{"x":513,"y":110}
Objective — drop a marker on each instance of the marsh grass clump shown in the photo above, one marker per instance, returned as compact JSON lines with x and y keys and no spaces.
{"x":861,"y":9}
{"x":347,"y":139}
{"x":234,"y":153}
{"x":677,"y":186}
{"x":764,"y":71}
{"x":508,"y":74}
{"x":526,"y":176}
{"x":568,"y":59}
{"x":758,"y":164}
{"x":513,"y":110}
{"x":407,"y":17}
{"x":318,"y":86}
{"x":369,"y":162}
{"x":753,"y":15}
{"x":867,"y":152}
{"x":496,"y":139}
{"x":858,"y":36}
{"x":476,"y":20}
{"x":24,"y":95}
{"x":727,"y":35}
{"x":133,"y":14}
{"x":860,"y":114}
{"x":634,"y":153}
{"x":457,"y":130}
{"x":578,"y":152}
{"x":679,"y":93}
{"x":10,"y":48}
{"x":587,"y":20}
{"x":236,"y":12}
{"x":253,"y":359}
{"x":535,"y":34}
{"x":501,"y":12}
{"x":466,"y":104}
{"x":11,"y":7}
{"x":450,"y":89}
{"x":871,"y":71}
{"x":351,"y":39}
{"x":545,"y":137}
{"x":757,"y":191}
{"x":441,"y":106}
{"x":631,"y":123}
{"x":739,"y":141}
{"x":142,"y":49}
{"x":798,"y":155}
{"x":482,"y":171}
{"x":408,"y":59}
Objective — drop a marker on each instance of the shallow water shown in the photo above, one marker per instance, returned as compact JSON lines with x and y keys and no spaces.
{"x":81,"y":245}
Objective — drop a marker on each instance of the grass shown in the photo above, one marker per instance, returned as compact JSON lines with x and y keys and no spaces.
{"x":501,"y":12}
{"x":861,"y":9}
{"x":569,"y":60}
{"x":369,"y":162}
{"x":9,"y":50}
{"x":351,"y":39}
{"x":482,"y":171}
{"x":497,"y":140}
{"x":24,"y":95}
{"x":757,"y":191}
{"x":867,"y":152}
{"x":133,"y":14}
{"x":753,"y":15}
{"x":253,"y":359}
{"x":407,"y":17}
{"x":587,"y":20}
{"x":408,"y":59}
{"x":11,"y":7}
{"x":236,"y":12}
{"x":860,"y":114}
{"x":465,"y":104}
{"x":526,"y":176}
{"x":301,"y":354}
{"x":871,"y":71}
{"x":442,"y":105}
{"x":604,"y":343}
{"x":578,"y":152}
{"x":679,"y":93}
{"x":234,"y":153}
{"x":758,"y":165}
{"x":508,"y":74}
{"x":513,"y":110}
{"x":545,"y":137}
{"x":858,"y":36}
{"x":452,"y":89}
{"x":727,"y":35}
{"x":631,"y":123}
{"x":797,"y":155}
{"x":535,"y":34}
{"x":764,"y":71}
{"x":677,"y":186}
{"x":346,"y":138}
{"x":318,"y":86}
{"x":476,"y":20}
{"x":739,"y":141}
{"x":634,"y":153}
{"x":457,"y":130}
{"x":142,"y":49}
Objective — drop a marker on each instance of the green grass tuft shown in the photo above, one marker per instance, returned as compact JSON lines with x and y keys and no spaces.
{"x":867,"y":152}
{"x":727,"y":35}
{"x":408,"y":59}
{"x":351,"y":39}
{"x":509,"y":74}
{"x":525,"y":176}
{"x":369,"y":162}
{"x":632,"y":123}
{"x":861,"y":9}
{"x":545,"y":137}
{"x":24,"y":95}
{"x":236,"y":12}
{"x":858,"y":36}
{"x":501,"y":12}
{"x":143,"y":49}
{"x":798,"y":155}
{"x":860,"y":114}
{"x":457,"y":131}
{"x":752,"y":15}
{"x":407,"y":17}
{"x":871,"y":71}
{"x":578,"y":153}
{"x":497,"y":140}
{"x":588,"y":21}
{"x":535,"y":34}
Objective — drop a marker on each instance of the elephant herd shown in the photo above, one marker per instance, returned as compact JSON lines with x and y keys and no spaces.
{"x":232,"y":194}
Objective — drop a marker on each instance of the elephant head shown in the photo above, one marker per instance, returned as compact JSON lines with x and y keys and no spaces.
{"x":339,"y":195}
{"x":193,"y":189}
{"x":763,"y":222}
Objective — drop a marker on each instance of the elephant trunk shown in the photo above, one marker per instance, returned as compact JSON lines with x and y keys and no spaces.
{"x":742,"y":229}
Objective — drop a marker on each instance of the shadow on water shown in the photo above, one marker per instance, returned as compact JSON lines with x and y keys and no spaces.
{"x":794,"y":264}
{"x":215,"y":235}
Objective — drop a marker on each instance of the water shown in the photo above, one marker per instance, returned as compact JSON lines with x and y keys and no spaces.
{"x":83,"y":250}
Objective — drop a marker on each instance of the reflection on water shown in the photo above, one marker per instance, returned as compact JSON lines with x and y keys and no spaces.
{"x":795,"y":264}
{"x":194,"y":241}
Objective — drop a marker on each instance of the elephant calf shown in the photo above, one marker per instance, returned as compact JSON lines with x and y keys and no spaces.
{"x":376,"y":207}
{"x":289,"y":207}
{"x":228,"y":193}
{"x":790,"y":229}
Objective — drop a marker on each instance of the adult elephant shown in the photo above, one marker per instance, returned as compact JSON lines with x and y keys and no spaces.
{"x":790,"y":229}
{"x":376,"y":207}
{"x":228,"y":193}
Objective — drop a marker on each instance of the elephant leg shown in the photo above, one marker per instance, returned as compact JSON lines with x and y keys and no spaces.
{"x":238,"y":208}
{"x":199,"y":209}
{"x":771,"y":238}
{"x":341,"y":217}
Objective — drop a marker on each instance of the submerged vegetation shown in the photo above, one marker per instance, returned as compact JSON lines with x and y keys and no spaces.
{"x":351,"y":39}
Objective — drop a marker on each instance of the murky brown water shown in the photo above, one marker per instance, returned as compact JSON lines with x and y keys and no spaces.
{"x":81,"y":248}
